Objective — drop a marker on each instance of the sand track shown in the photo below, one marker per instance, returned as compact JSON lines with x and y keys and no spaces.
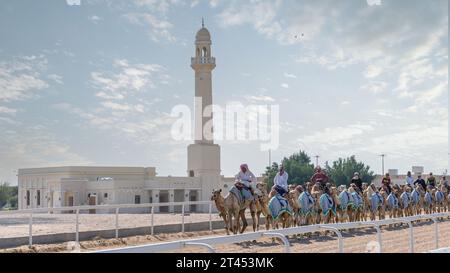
{"x":395,"y":239}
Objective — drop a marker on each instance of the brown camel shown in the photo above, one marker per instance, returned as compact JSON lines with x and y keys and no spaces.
{"x":284,"y":218}
{"x":316,"y":192}
{"x":233,"y":210}
{"x":292,"y":198}
{"x":263,"y":198}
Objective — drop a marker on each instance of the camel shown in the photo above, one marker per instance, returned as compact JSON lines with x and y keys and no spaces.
{"x":405,"y":201}
{"x":445,"y":191}
{"x":231,"y":208}
{"x":417,"y":199}
{"x":316,"y":192}
{"x":428,"y":201}
{"x":366,"y":203}
{"x":358,"y":204}
{"x":285,"y":218}
{"x":327,"y":206}
{"x":440,"y":200}
{"x":307,"y":205}
{"x":228,"y":208}
{"x":344,"y":204}
{"x":376,"y":204}
{"x":292,"y":198}
{"x":391,"y":201}
{"x":263,"y":198}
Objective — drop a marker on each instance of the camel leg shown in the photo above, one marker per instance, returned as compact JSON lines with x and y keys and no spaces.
{"x":253,"y":214}
{"x":227,"y":226}
{"x":244,"y":221}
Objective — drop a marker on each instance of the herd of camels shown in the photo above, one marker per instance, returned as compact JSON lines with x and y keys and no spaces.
{"x":347,"y":205}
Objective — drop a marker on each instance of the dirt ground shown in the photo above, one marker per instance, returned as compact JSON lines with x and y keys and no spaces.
{"x":394,"y":239}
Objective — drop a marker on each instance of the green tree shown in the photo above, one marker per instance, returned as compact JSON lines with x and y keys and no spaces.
{"x":8,"y":195}
{"x":298,"y":166}
{"x":342,"y":170}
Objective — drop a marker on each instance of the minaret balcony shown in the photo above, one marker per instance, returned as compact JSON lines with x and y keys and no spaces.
{"x":203,"y":60}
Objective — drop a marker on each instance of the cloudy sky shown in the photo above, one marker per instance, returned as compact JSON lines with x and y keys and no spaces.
{"x":94,"y":83}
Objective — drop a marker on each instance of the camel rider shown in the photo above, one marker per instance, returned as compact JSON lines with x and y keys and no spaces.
{"x":444,"y":182}
{"x":431,"y":180}
{"x":409,"y":179}
{"x":320,"y":177}
{"x":421,"y":182}
{"x":357,"y":181}
{"x":280,"y":184}
{"x":386,"y":182}
{"x":280,"y":181}
{"x":244,"y":180}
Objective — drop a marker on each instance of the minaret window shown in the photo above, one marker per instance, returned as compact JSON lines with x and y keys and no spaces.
{"x":205,"y":52}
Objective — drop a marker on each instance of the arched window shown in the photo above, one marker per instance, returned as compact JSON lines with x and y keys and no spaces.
{"x":205,"y":52}
{"x":198,"y":52}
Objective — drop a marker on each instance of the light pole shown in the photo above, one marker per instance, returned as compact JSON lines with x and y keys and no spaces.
{"x":382,"y":164}
{"x":270,"y":158}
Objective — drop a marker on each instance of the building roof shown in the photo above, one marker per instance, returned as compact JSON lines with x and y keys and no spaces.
{"x":203,"y":35}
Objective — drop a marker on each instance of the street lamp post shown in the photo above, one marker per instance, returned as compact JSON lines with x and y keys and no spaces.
{"x":382,"y":163}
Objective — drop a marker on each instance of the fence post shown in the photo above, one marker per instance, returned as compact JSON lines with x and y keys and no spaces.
{"x":152,"y":232}
{"x":30,"y":230}
{"x":210,"y":217}
{"x":287,"y":246}
{"x":339,"y":234}
{"x":182,"y":218}
{"x":411,"y":237}
{"x":117,"y":223}
{"x":436,"y":232}
{"x":77,"y":236}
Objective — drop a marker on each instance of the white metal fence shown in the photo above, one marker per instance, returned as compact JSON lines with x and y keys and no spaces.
{"x":117,"y":208}
{"x":282,"y":233}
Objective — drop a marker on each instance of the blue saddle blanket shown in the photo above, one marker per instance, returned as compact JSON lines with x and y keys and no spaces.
{"x":415,"y":197}
{"x":306,"y":202}
{"x":326,"y":204}
{"x":439,"y":196}
{"x":405,"y":199}
{"x":346,"y":200}
{"x":376,"y":201}
{"x":428,"y":198}
{"x":278,"y":205}
{"x":392,"y":201}
{"x":357,"y":200}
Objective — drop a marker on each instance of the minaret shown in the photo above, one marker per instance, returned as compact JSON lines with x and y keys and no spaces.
{"x":204,"y":155}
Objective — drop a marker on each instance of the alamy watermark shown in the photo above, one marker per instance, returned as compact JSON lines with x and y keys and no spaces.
{"x":234,"y":122}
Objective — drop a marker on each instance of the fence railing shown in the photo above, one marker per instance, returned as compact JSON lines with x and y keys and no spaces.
{"x":209,"y":242}
{"x":116,"y":207}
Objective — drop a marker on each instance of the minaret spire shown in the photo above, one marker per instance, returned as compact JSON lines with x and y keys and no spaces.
{"x":203,"y":22}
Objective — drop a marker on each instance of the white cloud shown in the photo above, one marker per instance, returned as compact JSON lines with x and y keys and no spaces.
{"x":22,"y":77}
{"x":285,"y":85}
{"x":256,"y":99}
{"x":287,"y":75}
{"x":158,"y":28}
{"x":372,"y":71}
{"x":95,"y":19}
{"x":7,"y":110}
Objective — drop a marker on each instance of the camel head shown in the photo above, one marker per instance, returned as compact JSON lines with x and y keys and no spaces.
{"x":216,"y":195}
{"x":364,"y":186}
{"x":261,"y":186}
{"x":292,"y":187}
{"x":299,"y":189}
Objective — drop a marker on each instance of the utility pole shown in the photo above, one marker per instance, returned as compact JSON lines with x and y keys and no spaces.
{"x":382,"y":164}
{"x":317,"y":160}
{"x":270,"y":158}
